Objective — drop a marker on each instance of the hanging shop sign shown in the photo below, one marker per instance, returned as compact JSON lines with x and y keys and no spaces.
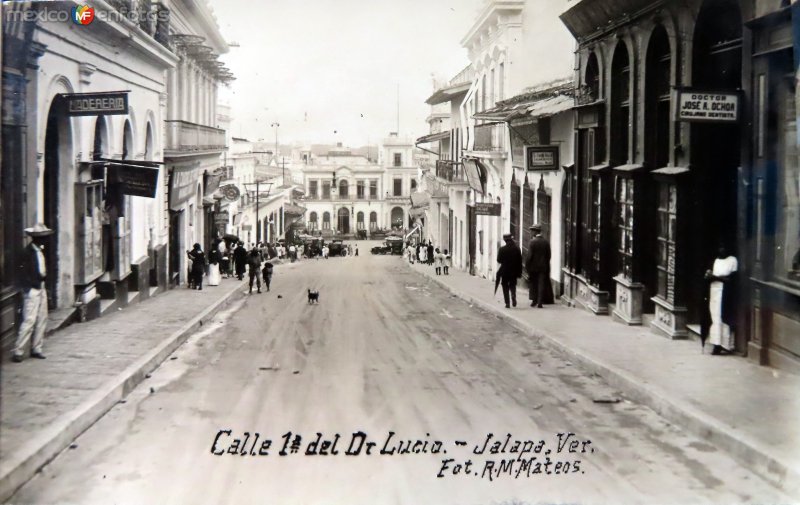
{"x":541,"y":158}
{"x":182,"y":186}
{"x":95,"y":104}
{"x":708,"y":106}
{"x":221,"y":218}
{"x":231,"y":192}
{"x":487,"y":209}
{"x":134,"y":179}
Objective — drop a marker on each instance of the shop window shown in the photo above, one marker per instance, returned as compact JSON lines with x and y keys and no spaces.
{"x":666,"y":234}
{"x":515,"y":196}
{"x":89,"y":246}
{"x":625,"y":226}
{"x":787,"y":250}
{"x":620,"y":105}
{"x":596,"y":229}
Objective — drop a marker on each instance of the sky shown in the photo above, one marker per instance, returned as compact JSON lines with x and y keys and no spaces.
{"x":328,"y":70}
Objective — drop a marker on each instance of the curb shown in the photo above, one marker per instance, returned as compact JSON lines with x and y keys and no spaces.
{"x":21,"y":466}
{"x":741,"y":447}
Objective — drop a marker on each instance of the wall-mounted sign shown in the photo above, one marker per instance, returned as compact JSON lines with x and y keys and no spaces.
{"x":487,"y":209}
{"x":707,"y":106}
{"x":182,"y":186}
{"x":231,"y":192}
{"x":221,"y":218}
{"x":134,"y":180}
{"x":95,"y":104}
{"x":541,"y":158}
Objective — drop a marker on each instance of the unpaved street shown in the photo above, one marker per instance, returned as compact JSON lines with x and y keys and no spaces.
{"x":384,"y":351}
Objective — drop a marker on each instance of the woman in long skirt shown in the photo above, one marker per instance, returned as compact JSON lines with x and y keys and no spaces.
{"x":214,"y":275}
{"x":721,"y":302}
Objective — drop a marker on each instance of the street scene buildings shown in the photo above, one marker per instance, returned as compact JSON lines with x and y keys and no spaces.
{"x":554,"y":245}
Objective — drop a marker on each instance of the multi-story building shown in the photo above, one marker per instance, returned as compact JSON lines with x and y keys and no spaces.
{"x":82,"y":137}
{"x":193,"y":142}
{"x":347,"y":193}
{"x":686,"y":129}
{"x":515,"y":93}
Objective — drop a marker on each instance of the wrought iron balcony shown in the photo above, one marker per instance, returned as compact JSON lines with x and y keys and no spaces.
{"x":450,"y":171}
{"x":184,"y":137}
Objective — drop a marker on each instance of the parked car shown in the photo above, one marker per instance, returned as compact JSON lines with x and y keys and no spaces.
{"x":392,"y":245}
{"x":337,"y":248}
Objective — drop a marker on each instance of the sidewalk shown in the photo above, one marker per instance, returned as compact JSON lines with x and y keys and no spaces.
{"x":749,"y":411}
{"x":46,"y":404}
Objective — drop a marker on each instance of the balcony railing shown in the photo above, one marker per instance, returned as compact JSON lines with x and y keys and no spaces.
{"x":348,"y":197}
{"x":490,"y":137}
{"x":186,"y":137}
{"x":450,"y":171}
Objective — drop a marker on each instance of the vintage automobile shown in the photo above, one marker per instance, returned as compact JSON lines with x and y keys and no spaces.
{"x":392,"y":245}
{"x":337,"y":248}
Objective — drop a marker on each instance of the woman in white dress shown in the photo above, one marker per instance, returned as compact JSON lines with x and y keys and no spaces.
{"x":721,"y":302}
{"x":214,"y":258}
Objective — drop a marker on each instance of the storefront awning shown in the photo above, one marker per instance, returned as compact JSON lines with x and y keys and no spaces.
{"x":448,"y":94}
{"x":473,"y":169}
{"x":433,"y":137}
{"x":183,"y":183}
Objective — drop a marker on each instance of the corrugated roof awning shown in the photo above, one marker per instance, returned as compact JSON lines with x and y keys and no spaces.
{"x":294,"y":210}
{"x":542,"y":107}
{"x":433,"y":137}
{"x":448,"y":94}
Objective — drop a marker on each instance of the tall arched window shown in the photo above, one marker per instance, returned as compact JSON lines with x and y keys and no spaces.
{"x":312,"y":221}
{"x":657,"y":99}
{"x":397,"y":217}
{"x":620,"y":105}
{"x":360,"y":220}
{"x":343,"y":187}
{"x":373,"y":220}
{"x":591,"y":81}
{"x":326,"y":220}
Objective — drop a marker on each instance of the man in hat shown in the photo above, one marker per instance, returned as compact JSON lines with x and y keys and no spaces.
{"x":510,"y":258}
{"x":538,"y":266}
{"x":33,"y":272}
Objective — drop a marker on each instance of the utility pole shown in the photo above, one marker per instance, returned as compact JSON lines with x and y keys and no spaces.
{"x":258,"y":203}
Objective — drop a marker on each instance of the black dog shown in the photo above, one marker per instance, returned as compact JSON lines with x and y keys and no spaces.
{"x":313,"y":296}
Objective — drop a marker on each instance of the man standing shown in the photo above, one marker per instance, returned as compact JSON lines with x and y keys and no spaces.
{"x":538,"y":266}
{"x":240,"y":260}
{"x":33,"y":272}
{"x":254,"y":268}
{"x":510,"y":258}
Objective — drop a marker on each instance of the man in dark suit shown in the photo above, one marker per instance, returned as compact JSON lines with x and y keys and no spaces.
{"x":240,"y":260}
{"x":32,"y":275}
{"x":538,"y":266}
{"x":510,"y":258}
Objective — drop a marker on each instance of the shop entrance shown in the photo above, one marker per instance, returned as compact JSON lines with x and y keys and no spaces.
{"x":715,"y":156}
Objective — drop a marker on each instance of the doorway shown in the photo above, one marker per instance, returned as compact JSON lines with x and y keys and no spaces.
{"x":343,"y":221}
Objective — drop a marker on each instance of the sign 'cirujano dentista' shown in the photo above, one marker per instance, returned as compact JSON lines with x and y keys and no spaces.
{"x":708,"y":106}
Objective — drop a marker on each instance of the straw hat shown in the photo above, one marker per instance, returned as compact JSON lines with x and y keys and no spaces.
{"x":39,"y":230}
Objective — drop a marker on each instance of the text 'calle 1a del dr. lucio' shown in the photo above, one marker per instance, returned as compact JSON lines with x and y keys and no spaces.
{"x":492,"y":457}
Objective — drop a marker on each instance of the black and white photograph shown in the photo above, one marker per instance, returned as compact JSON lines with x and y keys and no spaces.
{"x":400,"y":252}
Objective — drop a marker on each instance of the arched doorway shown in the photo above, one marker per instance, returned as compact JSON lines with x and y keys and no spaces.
{"x":396,"y":218}
{"x":716,"y":65}
{"x":343,"y":219}
{"x":57,"y":179}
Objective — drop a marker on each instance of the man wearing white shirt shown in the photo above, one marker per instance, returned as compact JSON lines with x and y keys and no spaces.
{"x":33,"y":273}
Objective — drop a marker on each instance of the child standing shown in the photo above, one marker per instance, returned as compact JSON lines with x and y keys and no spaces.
{"x":438,"y":261}
{"x":448,"y":262}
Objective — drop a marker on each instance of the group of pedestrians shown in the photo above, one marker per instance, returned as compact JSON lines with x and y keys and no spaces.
{"x":232,"y":260}
{"x":537,"y":264}
{"x":429,"y":255}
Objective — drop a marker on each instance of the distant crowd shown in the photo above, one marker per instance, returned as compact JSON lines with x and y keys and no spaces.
{"x":429,"y":255}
